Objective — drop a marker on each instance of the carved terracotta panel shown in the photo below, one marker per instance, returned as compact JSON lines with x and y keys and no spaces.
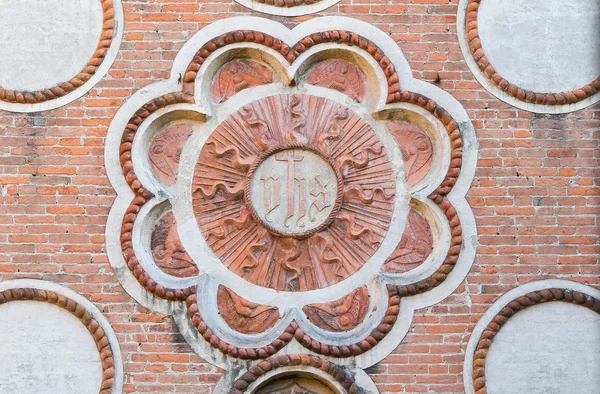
{"x":340,"y":75}
{"x":168,"y":252}
{"x":340,"y":315}
{"x":245,"y":316}
{"x":414,"y":247}
{"x":295,"y":386}
{"x":315,"y":214}
{"x":165,"y":151}
{"x":237,"y":75}
{"x":416,"y":148}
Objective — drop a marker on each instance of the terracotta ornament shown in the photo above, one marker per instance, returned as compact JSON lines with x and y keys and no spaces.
{"x":414,"y":247}
{"x":165,"y":151}
{"x":290,"y":165}
{"x":237,"y":75}
{"x":340,"y":75}
{"x":245,"y":316}
{"x":293,"y":200}
{"x":340,"y":315}
{"x":416,"y":148}
{"x":167,"y":250}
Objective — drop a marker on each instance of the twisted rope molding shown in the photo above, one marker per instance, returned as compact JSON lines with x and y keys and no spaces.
{"x":142,"y":196}
{"x":474,"y":43}
{"x":62,"y":89}
{"x":93,"y":327}
{"x":241,"y":385}
{"x":292,"y":53}
{"x":294,"y":331}
{"x":516,"y":305}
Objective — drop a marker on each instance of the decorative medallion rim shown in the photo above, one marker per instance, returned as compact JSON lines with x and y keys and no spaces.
{"x":509,"y":304}
{"x":499,"y":87}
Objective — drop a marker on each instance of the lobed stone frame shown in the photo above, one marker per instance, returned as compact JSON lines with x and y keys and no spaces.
{"x":97,"y":325}
{"x":486,"y":74}
{"x":378,"y":57}
{"x":518,"y":299}
{"x":288,"y":7}
{"x":67,"y":91}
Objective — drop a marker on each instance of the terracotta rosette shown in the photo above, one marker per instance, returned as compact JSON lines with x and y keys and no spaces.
{"x":291,"y":194}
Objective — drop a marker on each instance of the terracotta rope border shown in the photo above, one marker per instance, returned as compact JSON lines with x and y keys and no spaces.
{"x":142,"y":196}
{"x":474,"y":43}
{"x":241,"y":385}
{"x":85,"y":317}
{"x":62,"y":89}
{"x":291,"y":53}
{"x":514,"y":306}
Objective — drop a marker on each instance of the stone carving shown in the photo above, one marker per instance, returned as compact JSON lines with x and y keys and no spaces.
{"x":245,"y":316}
{"x":167,"y":250}
{"x":340,"y":75}
{"x":340,"y":315}
{"x":287,"y":173}
{"x":416,"y":148}
{"x":414,"y":247}
{"x":236,"y":75}
{"x":66,"y":87}
{"x":165,"y":151}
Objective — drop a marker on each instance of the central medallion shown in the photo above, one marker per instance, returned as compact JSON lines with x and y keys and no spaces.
{"x":293,"y":192}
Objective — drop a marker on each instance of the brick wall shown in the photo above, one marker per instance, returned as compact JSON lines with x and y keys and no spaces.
{"x":535,"y":195}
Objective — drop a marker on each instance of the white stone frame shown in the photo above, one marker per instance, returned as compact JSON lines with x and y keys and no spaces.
{"x":90,"y":307}
{"x":378,"y":107}
{"x":101,"y":71}
{"x":497,"y":306}
{"x":497,"y":92}
{"x":298,"y":10}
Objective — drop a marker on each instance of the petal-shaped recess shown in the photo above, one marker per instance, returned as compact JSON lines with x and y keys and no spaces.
{"x":414,"y":247}
{"x":237,"y":75}
{"x":168,"y":252}
{"x":245,"y":316}
{"x":340,"y":315}
{"x":416,"y":148}
{"x":165,"y":151}
{"x":340,"y":75}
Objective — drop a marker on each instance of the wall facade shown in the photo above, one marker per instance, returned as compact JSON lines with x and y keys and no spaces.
{"x":534,"y":195}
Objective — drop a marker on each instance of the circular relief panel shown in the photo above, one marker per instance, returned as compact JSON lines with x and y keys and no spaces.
{"x":303,"y":183}
{"x":54,"y":51}
{"x":288,"y":7}
{"x":539,"y":55}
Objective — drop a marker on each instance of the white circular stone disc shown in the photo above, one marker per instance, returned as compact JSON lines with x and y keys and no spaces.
{"x":44,"y":349}
{"x":46,"y":42}
{"x":546,"y":46}
{"x":547,"y":348}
